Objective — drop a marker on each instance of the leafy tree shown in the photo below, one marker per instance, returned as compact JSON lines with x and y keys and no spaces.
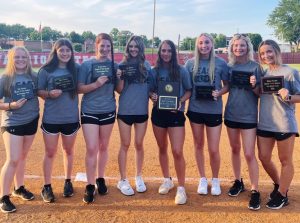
{"x":145,"y":40}
{"x":256,"y":39}
{"x":220,"y":41}
{"x":285,"y":19}
{"x":114,"y":33}
{"x":75,"y":37}
{"x":188,"y":43}
{"x":88,"y":35}
{"x":156,"y":41}
{"x":77,"y":47}
{"x":123,"y":37}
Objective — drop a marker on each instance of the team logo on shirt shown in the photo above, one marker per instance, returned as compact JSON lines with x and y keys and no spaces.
{"x":168,"y":88}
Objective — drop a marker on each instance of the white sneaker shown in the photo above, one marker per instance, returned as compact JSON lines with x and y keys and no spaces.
{"x":139,"y":184}
{"x":166,"y":186}
{"x":180,"y":196}
{"x":202,"y":187}
{"x":125,"y":188}
{"x":215,"y":187}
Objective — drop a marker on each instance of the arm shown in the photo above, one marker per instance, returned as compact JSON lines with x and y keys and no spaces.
{"x":223,"y":90}
{"x":12,"y":105}
{"x":120,"y":84}
{"x":44,"y":94}
{"x":86,"y":88}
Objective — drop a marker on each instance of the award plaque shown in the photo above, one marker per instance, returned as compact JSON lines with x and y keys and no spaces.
{"x":204,"y":92}
{"x":131,"y":72}
{"x":271,"y":85}
{"x":102,"y":69}
{"x":168,"y":93}
{"x":64,"y":83}
{"x":24,"y":90}
{"x":241,"y":79}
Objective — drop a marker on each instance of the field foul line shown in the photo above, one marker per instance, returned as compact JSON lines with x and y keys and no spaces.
{"x":81,"y":177}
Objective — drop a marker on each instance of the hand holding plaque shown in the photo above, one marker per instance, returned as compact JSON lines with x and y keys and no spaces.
{"x":64,"y":82}
{"x":24,"y":90}
{"x":168,"y":94}
{"x":204,"y":92}
{"x":241,"y":79}
{"x":131,"y":72}
{"x":271,"y":85}
{"x":102,"y":69}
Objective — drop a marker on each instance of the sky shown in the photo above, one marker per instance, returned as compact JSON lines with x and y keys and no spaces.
{"x":187,"y":18}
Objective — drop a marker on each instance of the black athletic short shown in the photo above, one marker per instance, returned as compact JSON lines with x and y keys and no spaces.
{"x":279,"y":136}
{"x":98,"y":119}
{"x":22,"y":130}
{"x":131,"y":119}
{"x":65,"y":129}
{"x":166,"y":119}
{"x":239,"y":125}
{"x":210,"y":120}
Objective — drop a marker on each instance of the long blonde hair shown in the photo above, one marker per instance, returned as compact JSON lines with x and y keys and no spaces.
{"x":10,"y":69}
{"x":231,"y":56}
{"x":197,"y":55}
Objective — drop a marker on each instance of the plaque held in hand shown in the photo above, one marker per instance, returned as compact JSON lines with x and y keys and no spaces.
{"x":102,"y":69}
{"x":64,"y":82}
{"x":241,"y":79}
{"x":131,"y":72}
{"x":204,"y":92}
{"x":24,"y":90}
{"x":271,"y":85}
{"x":168,"y":94}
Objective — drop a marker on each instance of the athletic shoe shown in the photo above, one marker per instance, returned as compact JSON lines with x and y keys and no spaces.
{"x":139,"y":184}
{"x":180,"y":196}
{"x":101,"y":187}
{"x":254,"y":203}
{"x":278,"y":201}
{"x":125,"y":188}
{"x":166,"y":186}
{"x":68,"y":189}
{"x":274,"y":192}
{"x":23,"y":193}
{"x":215,"y":187}
{"x":47,"y":194}
{"x":237,"y":188}
{"x":6,"y":206}
{"x":89,"y":194}
{"x":202,"y":187}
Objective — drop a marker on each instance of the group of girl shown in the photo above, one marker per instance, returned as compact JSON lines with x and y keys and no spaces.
{"x":98,"y":113}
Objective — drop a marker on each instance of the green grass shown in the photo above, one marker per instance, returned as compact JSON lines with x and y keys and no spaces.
{"x":296,"y":66}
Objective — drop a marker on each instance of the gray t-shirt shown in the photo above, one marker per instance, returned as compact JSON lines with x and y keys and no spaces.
{"x":277,"y":115}
{"x":202,"y":79}
{"x":242,"y":103}
{"x":134,"y":97}
{"x":163,"y":75}
{"x":102,"y":100}
{"x":28,"y":112}
{"x":61,"y":110}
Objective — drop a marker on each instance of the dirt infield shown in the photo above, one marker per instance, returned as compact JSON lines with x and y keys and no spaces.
{"x":149,"y":206}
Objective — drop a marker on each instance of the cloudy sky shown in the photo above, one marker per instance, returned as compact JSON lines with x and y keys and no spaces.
{"x":173,"y":17}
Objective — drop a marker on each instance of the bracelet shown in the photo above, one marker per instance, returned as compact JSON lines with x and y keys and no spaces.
{"x":9,"y":108}
{"x":48,"y":94}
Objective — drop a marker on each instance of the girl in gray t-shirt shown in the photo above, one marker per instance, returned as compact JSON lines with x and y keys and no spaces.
{"x":19,"y":120}
{"x":57,"y":85}
{"x":209,"y":76}
{"x":241,"y":114}
{"x":133,"y":110}
{"x":277,"y":122}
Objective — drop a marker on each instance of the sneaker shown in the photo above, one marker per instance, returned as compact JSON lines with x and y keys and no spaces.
{"x":237,"y":188}
{"x":274,"y":192}
{"x":89,"y":194}
{"x":254,"y":203}
{"x":202,"y":187}
{"x":6,"y":205}
{"x":180,"y":196}
{"x":166,"y":186}
{"x":102,"y":189}
{"x":47,"y":194}
{"x":215,"y":187}
{"x":125,"y":188}
{"x":68,"y":189}
{"x":278,"y":201}
{"x":23,"y":193}
{"x":139,"y":184}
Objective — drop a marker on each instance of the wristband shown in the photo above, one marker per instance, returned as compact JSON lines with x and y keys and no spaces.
{"x":9,"y":108}
{"x":48,"y":94}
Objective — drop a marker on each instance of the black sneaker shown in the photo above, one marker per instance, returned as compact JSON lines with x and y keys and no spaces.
{"x":89,"y":194}
{"x":6,"y":206}
{"x":23,"y":193}
{"x":254,"y":203}
{"x":278,"y":201}
{"x":102,"y":189}
{"x":237,"y":188}
{"x":68,"y":189}
{"x":274,"y":192}
{"x":47,"y":194}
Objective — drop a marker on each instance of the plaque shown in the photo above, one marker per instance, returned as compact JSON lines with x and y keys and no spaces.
{"x":102,"y":69}
{"x":241,"y":79}
{"x":131,"y":72}
{"x":271,"y":84}
{"x":204,"y":92}
{"x":64,"y":83}
{"x":24,"y":90}
{"x":168,"y":93}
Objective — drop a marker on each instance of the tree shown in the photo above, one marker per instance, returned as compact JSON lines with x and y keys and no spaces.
{"x":145,"y":40}
{"x":75,"y":37}
{"x":156,"y":41}
{"x":256,"y":39}
{"x":220,"y":41}
{"x":285,"y":19}
{"x":114,"y":33}
{"x":88,"y":35}
{"x":187,"y":43}
{"x":123,"y":37}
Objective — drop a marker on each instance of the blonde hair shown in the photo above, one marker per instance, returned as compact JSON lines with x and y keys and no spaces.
{"x":197,"y":55}
{"x":231,"y":56}
{"x":10,"y":69}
